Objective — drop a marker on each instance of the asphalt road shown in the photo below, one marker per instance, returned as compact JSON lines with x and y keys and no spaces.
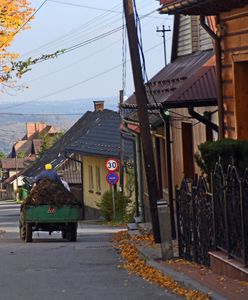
{"x":51,"y":268}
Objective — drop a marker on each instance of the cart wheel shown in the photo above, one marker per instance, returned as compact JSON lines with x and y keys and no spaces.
{"x":63,"y":233}
{"x":71,"y":233}
{"x":29,"y":233}
{"x":22,"y":230}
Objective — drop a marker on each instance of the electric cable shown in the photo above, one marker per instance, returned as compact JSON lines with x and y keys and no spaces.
{"x":21,"y":27}
{"x":74,"y":85}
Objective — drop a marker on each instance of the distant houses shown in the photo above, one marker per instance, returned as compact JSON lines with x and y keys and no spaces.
{"x":22,"y":154}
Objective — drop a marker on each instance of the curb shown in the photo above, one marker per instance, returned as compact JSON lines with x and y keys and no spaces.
{"x":153,"y":254}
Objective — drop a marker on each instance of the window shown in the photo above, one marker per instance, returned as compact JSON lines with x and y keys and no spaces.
{"x":91,"y":180}
{"x":98,"y":181}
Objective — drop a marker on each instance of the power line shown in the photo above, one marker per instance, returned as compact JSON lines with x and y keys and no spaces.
{"x":74,"y":85}
{"x":84,"y":6}
{"x":124,"y":50}
{"x":39,"y":114}
{"x":72,"y":33}
{"x":21,"y":27}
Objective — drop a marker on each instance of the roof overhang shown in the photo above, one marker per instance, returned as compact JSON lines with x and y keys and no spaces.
{"x":199,"y":7}
{"x":175,"y":104}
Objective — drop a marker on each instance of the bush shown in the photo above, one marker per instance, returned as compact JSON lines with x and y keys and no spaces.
{"x":227,"y":151}
{"x":121,"y":204}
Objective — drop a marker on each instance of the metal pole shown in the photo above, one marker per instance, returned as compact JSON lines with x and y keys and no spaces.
{"x":169,"y":174}
{"x":113,"y":200}
{"x":141,"y":99}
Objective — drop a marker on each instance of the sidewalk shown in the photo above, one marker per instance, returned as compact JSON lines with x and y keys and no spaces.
{"x":192,"y":275}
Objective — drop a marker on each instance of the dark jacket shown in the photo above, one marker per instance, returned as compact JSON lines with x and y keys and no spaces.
{"x":51,"y":174}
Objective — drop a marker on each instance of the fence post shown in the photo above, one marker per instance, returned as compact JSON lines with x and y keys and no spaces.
{"x":214,"y":211}
{"x":179,"y":237}
{"x":244,"y":216}
{"x":194,"y":225}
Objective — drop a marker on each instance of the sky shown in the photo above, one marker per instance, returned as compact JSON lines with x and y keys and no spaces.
{"x":92,"y":71}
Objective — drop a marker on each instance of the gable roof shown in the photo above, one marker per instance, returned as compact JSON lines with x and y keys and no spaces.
{"x":102,"y":138}
{"x":12,"y":163}
{"x":55,"y":154}
{"x":199,"y":7}
{"x":37,"y":143}
{"x":98,"y":129}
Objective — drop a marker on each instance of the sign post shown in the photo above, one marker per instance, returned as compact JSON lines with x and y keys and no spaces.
{"x":112,"y":178}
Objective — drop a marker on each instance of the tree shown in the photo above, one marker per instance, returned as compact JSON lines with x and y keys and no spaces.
{"x":14,"y":15}
{"x":2,"y":155}
{"x":49,"y":141}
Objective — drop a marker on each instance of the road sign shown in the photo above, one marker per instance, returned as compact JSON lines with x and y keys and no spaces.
{"x":112,"y":164}
{"x":112,"y":178}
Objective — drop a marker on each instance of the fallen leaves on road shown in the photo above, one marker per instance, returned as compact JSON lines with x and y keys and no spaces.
{"x":134,"y":264}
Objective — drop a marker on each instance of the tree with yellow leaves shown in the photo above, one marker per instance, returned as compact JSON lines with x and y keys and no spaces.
{"x":14,"y":16}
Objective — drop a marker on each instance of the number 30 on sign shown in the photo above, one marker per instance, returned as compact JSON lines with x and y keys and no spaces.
{"x":112,"y":164}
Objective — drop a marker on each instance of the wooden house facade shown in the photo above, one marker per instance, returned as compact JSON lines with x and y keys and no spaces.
{"x":232,"y":35}
{"x":185,"y":91}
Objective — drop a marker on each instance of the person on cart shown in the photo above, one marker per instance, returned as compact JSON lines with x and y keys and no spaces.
{"x":49,"y":173}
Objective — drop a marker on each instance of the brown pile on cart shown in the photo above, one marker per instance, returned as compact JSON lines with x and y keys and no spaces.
{"x":48,"y":192}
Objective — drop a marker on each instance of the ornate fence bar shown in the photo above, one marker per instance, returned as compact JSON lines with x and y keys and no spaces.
{"x":230,"y":202}
{"x":213,"y":221}
{"x":194,"y":221}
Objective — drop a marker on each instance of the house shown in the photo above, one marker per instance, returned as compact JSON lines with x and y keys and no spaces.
{"x":231,"y":52}
{"x":99,"y":143}
{"x":80,"y":155}
{"x":12,"y":169}
{"x":182,"y":101}
{"x":231,"y":48}
{"x":30,"y":145}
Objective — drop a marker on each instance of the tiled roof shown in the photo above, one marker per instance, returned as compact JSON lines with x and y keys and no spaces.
{"x":22,"y":147}
{"x":99,"y":130}
{"x":199,"y":7}
{"x":102,"y":138}
{"x":37,"y":143}
{"x":12,"y":163}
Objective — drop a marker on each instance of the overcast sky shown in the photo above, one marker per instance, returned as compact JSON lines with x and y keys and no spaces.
{"x":94,"y":70}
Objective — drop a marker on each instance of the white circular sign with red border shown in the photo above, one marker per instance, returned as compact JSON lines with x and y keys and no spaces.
{"x":112,"y":164}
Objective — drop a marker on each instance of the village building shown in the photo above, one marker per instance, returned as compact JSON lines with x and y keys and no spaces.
{"x":182,"y":106}
{"x":81,"y":153}
{"x":229,"y":251}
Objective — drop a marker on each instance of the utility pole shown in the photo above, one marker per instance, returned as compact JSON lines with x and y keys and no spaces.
{"x":163,"y":30}
{"x":121,"y":148}
{"x":141,"y":99}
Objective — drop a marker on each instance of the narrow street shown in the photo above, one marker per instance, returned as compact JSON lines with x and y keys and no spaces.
{"x":50,"y":268}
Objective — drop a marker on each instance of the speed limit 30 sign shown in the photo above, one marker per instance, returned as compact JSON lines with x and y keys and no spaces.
{"x":112,"y":164}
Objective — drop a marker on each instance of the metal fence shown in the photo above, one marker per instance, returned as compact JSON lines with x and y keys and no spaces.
{"x":194,"y":221}
{"x":213,"y":221}
{"x":230,"y":206}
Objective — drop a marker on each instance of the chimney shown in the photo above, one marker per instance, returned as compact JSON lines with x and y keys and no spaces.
{"x":30,"y":129}
{"x":98,"y":105}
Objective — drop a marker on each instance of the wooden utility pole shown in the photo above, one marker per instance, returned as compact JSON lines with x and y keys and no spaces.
{"x":121,"y":148}
{"x":141,"y":100}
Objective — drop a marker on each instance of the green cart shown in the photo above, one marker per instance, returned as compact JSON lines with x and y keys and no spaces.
{"x":49,"y":218}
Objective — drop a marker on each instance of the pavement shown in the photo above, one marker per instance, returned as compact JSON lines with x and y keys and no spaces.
{"x":191,"y":275}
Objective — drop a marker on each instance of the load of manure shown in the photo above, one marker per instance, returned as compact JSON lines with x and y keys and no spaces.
{"x":48,"y":192}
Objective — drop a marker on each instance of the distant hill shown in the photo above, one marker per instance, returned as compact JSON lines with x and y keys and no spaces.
{"x":13,"y":127}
